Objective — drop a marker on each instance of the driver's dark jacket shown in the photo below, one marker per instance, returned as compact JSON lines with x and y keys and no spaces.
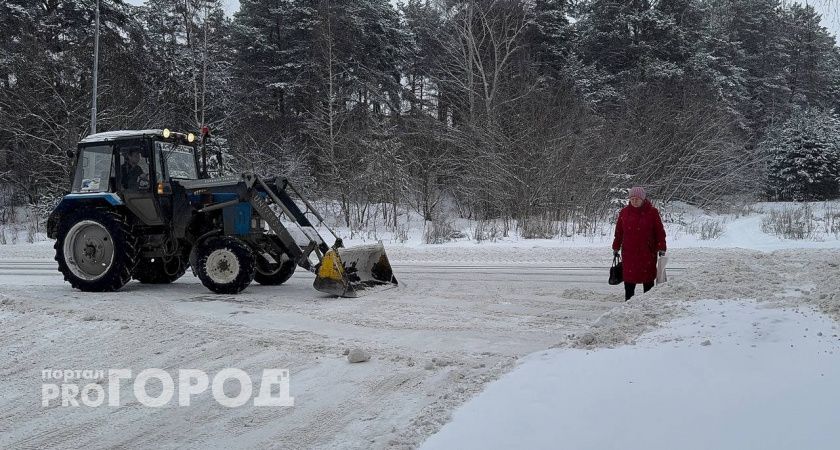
{"x":131,"y":176}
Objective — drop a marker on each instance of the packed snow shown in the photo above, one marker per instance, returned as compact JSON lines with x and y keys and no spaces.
{"x":731,"y":374}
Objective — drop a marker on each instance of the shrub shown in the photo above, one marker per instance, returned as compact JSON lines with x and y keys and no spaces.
{"x":537,"y":227}
{"x":791,"y":223}
{"x":487,"y":230}
{"x":706,"y":229}
{"x":401,"y":233}
{"x":439,"y":231}
{"x":831,"y":221}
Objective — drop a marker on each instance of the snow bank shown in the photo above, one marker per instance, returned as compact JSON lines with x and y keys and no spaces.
{"x":730,"y":375}
{"x":790,"y":278}
{"x":687,"y":227}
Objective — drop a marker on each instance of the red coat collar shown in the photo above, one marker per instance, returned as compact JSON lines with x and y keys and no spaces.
{"x":645,"y":206}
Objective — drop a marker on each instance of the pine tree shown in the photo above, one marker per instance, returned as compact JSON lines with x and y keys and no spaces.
{"x":813,"y":76}
{"x":756,"y":28}
{"x":188,"y":79}
{"x":804,"y":157}
{"x":45,"y":67}
{"x":273,"y":46}
{"x":551,"y":35}
{"x":636,"y":42}
{"x":422,"y":24}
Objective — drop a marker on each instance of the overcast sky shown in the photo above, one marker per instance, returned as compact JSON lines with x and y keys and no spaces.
{"x":830,"y":10}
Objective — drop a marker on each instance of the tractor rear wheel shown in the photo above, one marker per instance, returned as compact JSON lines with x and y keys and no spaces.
{"x":96,"y":250}
{"x":225,"y":265}
{"x":277,"y":272}
{"x":160,"y":270}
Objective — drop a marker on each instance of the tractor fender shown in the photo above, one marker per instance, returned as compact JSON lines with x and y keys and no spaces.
{"x":73,"y":202}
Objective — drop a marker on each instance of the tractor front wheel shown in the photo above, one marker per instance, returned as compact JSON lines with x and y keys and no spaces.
{"x":225,"y":265}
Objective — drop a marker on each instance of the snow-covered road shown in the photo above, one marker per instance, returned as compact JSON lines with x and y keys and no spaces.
{"x":450,"y":327}
{"x":11,"y":271}
{"x":460,"y":319}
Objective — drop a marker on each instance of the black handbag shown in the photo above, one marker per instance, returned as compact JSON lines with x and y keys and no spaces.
{"x":616,"y":274}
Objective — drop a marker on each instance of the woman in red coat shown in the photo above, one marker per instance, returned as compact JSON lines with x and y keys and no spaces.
{"x":639,"y":235}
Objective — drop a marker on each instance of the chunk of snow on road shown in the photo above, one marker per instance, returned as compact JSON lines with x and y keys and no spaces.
{"x":358,"y":355}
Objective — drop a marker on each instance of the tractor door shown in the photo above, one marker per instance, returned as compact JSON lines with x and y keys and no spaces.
{"x":164,"y":193}
{"x":175,"y":162}
{"x":136,"y":181}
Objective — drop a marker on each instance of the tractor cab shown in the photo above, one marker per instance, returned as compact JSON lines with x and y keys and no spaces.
{"x":135,"y":169}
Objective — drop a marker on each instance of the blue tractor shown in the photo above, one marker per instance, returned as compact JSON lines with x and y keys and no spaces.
{"x":141,"y":206}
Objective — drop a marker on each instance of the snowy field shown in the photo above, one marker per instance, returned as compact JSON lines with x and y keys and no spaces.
{"x":512,"y":338}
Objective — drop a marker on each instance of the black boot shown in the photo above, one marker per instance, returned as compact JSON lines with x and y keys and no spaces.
{"x":629,"y":290}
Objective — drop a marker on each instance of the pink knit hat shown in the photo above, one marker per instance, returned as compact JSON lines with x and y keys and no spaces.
{"x":638,"y":191}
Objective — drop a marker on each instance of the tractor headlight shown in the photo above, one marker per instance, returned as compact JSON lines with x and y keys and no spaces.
{"x":166,"y":133}
{"x":190,"y":137}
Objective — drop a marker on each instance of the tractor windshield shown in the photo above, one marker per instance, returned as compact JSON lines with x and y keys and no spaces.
{"x":178,"y":160}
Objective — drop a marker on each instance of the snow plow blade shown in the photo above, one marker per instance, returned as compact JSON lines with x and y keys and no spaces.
{"x":356,"y":271}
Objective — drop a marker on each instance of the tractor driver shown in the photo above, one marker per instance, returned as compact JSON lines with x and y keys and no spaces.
{"x":133,"y":176}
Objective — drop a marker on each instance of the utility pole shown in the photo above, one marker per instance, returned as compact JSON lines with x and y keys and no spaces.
{"x":95,"y":72}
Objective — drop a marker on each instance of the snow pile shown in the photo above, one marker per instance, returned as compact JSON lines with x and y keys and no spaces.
{"x":731,"y":375}
{"x":826,"y":292}
{"x":733,"y":274}
{"x":19,"y":225}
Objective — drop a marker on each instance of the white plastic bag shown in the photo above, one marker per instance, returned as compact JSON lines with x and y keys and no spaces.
{"x":661,"y":276}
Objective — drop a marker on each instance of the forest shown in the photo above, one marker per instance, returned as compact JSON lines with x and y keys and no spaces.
{"x":532,"y":111}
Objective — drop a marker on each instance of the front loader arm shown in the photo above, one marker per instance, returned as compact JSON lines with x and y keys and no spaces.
{"x":342,"y":272}
{"x":339,"y":271}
